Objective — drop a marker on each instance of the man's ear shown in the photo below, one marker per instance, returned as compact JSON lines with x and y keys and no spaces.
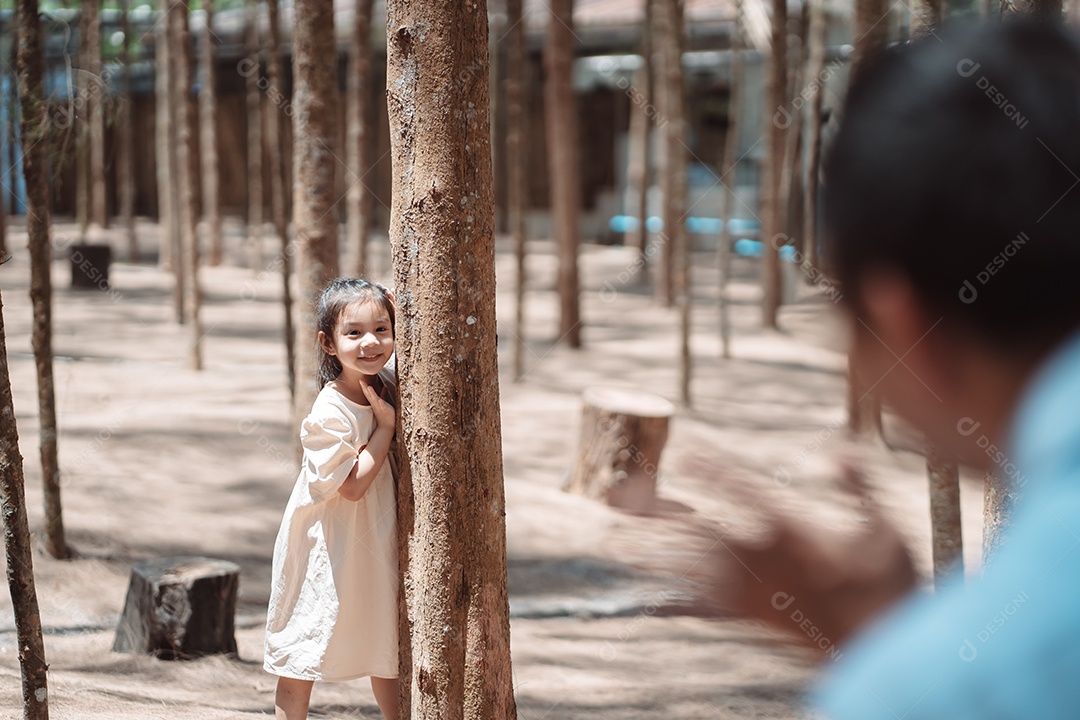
{"x":902,"y":331}
{"x":325,"y":344}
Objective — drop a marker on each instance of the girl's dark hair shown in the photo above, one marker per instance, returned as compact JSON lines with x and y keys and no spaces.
{"x":338,"y":295}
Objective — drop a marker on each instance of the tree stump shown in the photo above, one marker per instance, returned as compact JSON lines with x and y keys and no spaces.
{"x":622,"y":435}
{"x":180,"y":607}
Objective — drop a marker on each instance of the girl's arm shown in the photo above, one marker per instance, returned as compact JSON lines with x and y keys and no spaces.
{"x":368,"y":463}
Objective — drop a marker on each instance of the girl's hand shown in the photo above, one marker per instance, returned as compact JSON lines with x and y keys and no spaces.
{"x":385,"y":414}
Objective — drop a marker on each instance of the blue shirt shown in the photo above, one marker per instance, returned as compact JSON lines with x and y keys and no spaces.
{"x":1008,"y":645}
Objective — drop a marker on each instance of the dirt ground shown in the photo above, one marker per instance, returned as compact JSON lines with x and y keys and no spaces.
{"x":160,"y":460}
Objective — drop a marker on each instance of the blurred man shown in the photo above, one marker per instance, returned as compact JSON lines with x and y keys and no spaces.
{"x":953,"y":214}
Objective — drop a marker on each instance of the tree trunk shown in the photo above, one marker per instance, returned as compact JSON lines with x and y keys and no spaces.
{"x":564,"y":170}
{"x":18,"y":549}
{"x":79,"y":121}
{"x":164,"y":144}
{"x":999,"y":499}
{"x":773,"y":134}
{"x":871,"y":31}
{"x":98,"y":213}
{"x":34,"y":129}
{"x":948,"y":543}
{"x":863,"y":405}
{"x":187,"y":165}
{"x":640,"y":160}
{"x":208,"y":136}
{"x":314,"y":146}
{"x":926,"y":17}
{"x":1043,"y":8}
{"x":515,"y":164}
{"x":790,"y":188}
{"x":358,"y":200}
{"x":125,"y":169}
{"x":456,"y":648}
{"x":729,"y":175}
{"x":815,"y":69}
{"x":254,"y":136}
{"x":277,"y":182}
{"x":675,"y":269}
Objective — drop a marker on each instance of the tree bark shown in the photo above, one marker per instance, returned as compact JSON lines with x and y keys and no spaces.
{"x":278,"y":210}
{"x":80,"y":119}
{"x":208,"y":136}
{"x":640,"y":160}
{"x":164,"y":145}
{"x":863,"y":405}
{"x":728,"y":175}
{"x":564,"y":169}
{"x":622,"y":436}
{"x":35,"y":126}
{"x":456,"y":653}
{"x":871,"y":31}
{"x":98,"y":214}
{"x":315,"y":139}
{"x":815,"y":69}
{"x":675,"y":269}
{"x":187,"y":166}
{"x":999,"y":499}
{"x":515,"y":164}
{"x":358,"y":199}
{"x":773,"y":134}
{"x":125,"y":169}
{"x":180,"y":608}
{"x":926,"y":17}
{"x":948,"y":543}
{"x":18,"y":548}
{"x":1042,"y":8}
{"x":254,"y":136}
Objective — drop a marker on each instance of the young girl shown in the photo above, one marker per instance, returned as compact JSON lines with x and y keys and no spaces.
{"x":334,"y":592}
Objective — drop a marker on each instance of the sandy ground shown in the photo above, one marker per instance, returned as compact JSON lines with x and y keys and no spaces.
{"x":160,"y":460}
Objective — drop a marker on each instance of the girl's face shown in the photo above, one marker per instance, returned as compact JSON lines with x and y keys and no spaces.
{"x":363,"y":339}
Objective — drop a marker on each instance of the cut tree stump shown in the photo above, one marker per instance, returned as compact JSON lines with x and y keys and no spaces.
{"x":622,"y":435}
{"x":180,"y":607}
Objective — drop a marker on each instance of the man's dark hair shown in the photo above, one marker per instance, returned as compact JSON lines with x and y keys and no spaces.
{"x":957,"y":164}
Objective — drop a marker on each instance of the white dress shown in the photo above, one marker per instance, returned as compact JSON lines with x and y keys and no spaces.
{"x":334,"y":590}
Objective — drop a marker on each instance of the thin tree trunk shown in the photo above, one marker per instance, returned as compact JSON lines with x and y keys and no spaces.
{"x":164,"y":143}
{"x":729,"y":175}
{"x":18,"y":550}
{"x":254,"y":136}
{"x":98,"y":214}
{"x":208,"y":136}
{"x":999,"y":500}
{"x":187,"y":170}
{"x":668,"y":15}
{"x":315,"y":139}
{"x":277,"y":181}
{"x":863,"y":405}
{"x":457,"y":649}
{"x":948,"y":543}
{"x":564,"y":171}
{"x":790,"y":188}
{"x":773,"y":134}
{"x":125,"y":170}
{"x":515,"y":163}
{"x":1042,"y":8}
{"x":81,"y":117}
{"x":35,"y":124}
{"x":871,"y":36}
{"x":358,"y":200}
{"x":640,"y":160}
{"x":815,"y":69}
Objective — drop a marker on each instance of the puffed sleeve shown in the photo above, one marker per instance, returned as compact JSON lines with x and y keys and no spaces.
{"x":330,"y":449}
